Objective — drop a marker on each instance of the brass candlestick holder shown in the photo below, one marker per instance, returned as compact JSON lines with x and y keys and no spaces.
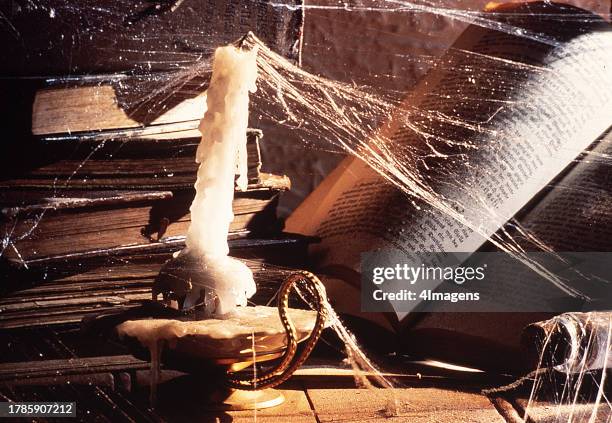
{"x":221,"y":351}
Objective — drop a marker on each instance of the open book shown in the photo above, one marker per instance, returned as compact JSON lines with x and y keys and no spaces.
{"x":519,"y":105}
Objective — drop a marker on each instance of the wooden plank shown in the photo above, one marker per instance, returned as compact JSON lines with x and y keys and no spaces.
{"x":75,"y":366}
{"x":402,"y":405}
{"x":295,"y":409}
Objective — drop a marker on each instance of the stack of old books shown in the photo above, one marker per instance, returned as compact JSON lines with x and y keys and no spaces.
{"x":90,"y":223}
{"x":100,"y":109}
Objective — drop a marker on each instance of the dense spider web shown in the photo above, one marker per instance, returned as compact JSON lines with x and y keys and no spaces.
{"x":336,"y":114}
{"x":328,"y":115}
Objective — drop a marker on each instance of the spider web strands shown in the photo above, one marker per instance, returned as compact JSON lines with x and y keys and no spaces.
{"x":333,"y":114}
{"x":475,"y":17}
{"x":574,"y":360}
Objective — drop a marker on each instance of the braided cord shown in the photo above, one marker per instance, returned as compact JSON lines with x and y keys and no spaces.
{"x":290,"y":361}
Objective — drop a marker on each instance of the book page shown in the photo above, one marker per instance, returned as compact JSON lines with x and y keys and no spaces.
{"x":550,"y":102}
{"x":574,"y":215}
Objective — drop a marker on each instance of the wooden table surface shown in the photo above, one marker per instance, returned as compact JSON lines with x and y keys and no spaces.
{"x":327,"y":392}
{"x":116,"y":389}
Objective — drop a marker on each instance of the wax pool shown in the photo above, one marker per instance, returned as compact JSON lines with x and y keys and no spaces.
{"x":226,"y":281}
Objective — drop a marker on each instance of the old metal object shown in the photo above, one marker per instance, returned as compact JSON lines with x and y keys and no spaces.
{"x":225,"y":348}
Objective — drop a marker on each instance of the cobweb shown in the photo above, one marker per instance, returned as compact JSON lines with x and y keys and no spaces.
{"x":361,"y":117}
{"x":336,"y":115}
{"x":571,"y":353}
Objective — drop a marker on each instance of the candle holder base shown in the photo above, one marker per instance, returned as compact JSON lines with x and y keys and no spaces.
{"x":220,"y":351}
{"x":189,"y":397}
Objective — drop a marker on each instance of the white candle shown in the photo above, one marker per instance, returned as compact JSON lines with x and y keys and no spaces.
{"x":228,"y":282}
